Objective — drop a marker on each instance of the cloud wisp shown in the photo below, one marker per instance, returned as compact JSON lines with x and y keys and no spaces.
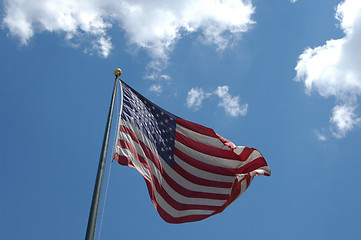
{"x":344,"y":120}
{"x":230,"y":104}
{"x":195,"y":98}
{"x":150,"y":25}
{"x":333,"y":69}
{"x":320,"y":136}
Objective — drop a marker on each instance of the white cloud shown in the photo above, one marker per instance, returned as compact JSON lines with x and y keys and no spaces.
{"x":157,"y":75}
{"x":100,"y":46}
{"x":156,"y":25}
{"x":230,"y":104}
{"x":24,"y":18}
{"x":333,"y":70}
{"x":156,"y":88}
{"x":320,"y":136}
{"x":293,"y":1}
{"x":152,"y":25}
{"x":195,"y":98}
{"x":344,"y":120}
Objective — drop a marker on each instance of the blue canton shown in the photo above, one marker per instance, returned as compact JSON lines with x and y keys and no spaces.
{"x":156,"y":123}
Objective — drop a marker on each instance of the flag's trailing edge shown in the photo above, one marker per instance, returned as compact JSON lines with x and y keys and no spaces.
{"x":190,"y":171}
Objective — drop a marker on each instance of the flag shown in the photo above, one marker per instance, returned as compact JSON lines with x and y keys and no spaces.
{"x":190,"y":171}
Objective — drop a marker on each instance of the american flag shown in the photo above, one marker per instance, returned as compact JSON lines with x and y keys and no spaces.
{"x":190,"y":171}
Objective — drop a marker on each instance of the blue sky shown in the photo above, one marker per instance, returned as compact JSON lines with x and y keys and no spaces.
{"x":279,"y":76}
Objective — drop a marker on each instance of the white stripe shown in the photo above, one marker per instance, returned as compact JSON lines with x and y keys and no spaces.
{"x":171,"y":173}
{"x":125,"y":152}
{"x":244,"y":186}
{"x":203,"y":174}
{"x":265,"y":169}
{"x":210,"y":141}
{"x":215,"y":161}
{"x":243,"y":183}
{"x":179,"y":213}
{"x":173,"y":194}
{"x":189,"y":185}
{"x":164,"y":204}
{"x":183,"y":199}
{"x":254,"y":155}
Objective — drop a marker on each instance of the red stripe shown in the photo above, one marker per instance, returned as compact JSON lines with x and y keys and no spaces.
{"x":190,"y":218}
{"x":123,"y":160}
{"x":200,"y":181}
{"x":175,"y":204}
{"x":173,"y":184}
{"x":189,"y":193}
{"x":206,"y":149}
{"x":196,"y":127}
{"x":249,"y":182}
{"x":127,"y":145}
{"x":246,"y":152}
{"x":204,"y":166}
{"x":236,"y":192}
{"x":167,"y":217}
{"x":253,"y":165}
{"x":148,"y":153}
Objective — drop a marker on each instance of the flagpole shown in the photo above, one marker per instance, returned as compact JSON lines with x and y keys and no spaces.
{"x":93,"y":214}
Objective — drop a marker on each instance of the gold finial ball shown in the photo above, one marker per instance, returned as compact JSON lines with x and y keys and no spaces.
{"x":118,"y":72}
